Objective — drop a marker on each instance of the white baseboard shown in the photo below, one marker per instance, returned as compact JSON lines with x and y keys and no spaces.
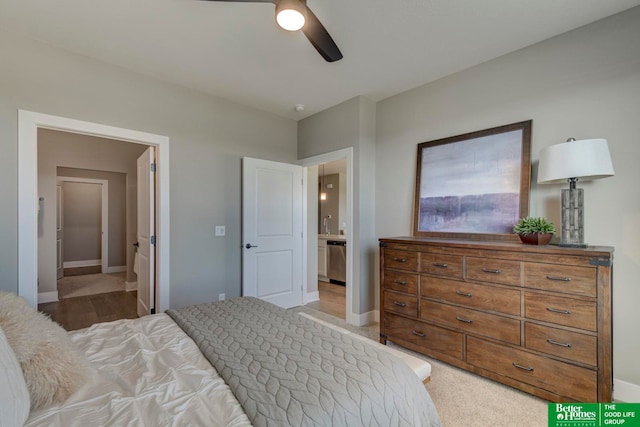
{"x":367,"y":318}
{"x":83,"y":263}
{"x":44,"y":297}
{"x":116,"y":269}
{"x":130,"y":286}
{"x":310,"y":297}
{"x":625,"y":392}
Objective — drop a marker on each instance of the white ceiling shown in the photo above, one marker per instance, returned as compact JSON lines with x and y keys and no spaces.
{"x":236,"y":51}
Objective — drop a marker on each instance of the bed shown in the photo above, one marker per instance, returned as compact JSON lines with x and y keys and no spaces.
{"x":239,"y":362}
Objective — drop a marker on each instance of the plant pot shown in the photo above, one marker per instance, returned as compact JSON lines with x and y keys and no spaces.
{"x":536,"y":238}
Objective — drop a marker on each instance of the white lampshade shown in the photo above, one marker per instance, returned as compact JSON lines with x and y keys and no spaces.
{"x":585,"y":159}
{"x":291,"y":14}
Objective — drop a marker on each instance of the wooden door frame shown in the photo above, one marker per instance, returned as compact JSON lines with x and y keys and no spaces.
{"x":28,"y":124}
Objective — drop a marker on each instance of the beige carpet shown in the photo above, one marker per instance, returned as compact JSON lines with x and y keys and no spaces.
{"x":464,"y":399}
{"x":90,"y":284}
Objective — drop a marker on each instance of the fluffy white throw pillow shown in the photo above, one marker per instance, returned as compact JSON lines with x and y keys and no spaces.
{"x":52,"y":366}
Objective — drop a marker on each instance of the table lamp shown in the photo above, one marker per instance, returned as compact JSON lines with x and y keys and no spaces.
{"x":571,"y":161}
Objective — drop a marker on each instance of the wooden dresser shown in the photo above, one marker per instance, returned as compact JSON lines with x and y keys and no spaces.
{"x":537,"y":318}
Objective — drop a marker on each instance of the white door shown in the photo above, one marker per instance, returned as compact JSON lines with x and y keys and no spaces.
{"x":59,"y":222}
{"x":272,"y":231}
{"x":146,"y":232}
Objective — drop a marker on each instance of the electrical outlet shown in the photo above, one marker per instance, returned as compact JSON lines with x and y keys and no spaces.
{"x":220,"y":230}
{"x":220,"y":297}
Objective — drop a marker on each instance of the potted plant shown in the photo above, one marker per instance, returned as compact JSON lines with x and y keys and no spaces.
{"x":534,"y":230}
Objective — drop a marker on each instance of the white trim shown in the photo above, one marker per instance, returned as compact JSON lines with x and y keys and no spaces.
{"x":352,"y":287}
{"x":367,"y":318}
{"x":130,"y":286}
{"x":82,"y":263}
{"x":625,"y":392}
{"x":28,"y":124}
{"x":104,"y":236}
{"x":308,"y":297}
{"x":115,"y":269}
{"x":45,"y":297}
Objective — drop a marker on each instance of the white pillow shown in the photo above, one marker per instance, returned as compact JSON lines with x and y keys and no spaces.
{"x":52,"y":366}
{"x":14,"y":396}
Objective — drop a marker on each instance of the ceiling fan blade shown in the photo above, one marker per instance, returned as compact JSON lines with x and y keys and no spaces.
{"x":320,"y":38}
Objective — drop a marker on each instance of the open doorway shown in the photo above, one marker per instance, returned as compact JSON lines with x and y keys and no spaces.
{"x":332,"y":239}
{"x":340,"y":230}
{"x":95,"y":228}
{"x":31,"y":205}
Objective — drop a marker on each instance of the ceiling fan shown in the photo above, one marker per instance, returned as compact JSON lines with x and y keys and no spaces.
{"x":293,"y":15}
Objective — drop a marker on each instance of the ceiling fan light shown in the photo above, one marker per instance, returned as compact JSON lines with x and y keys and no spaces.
{"x":291,"y":14}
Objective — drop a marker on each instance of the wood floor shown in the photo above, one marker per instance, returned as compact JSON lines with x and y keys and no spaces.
{"x":332,"y":299}
{"x":82,"y":312}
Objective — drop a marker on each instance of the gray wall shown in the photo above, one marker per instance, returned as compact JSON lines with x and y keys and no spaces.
{"x":82,"y":221}
{"x":331,"y":206}
{"x":118,"y":223}
{"x":208,"y":137}
{"x":583,"y":84}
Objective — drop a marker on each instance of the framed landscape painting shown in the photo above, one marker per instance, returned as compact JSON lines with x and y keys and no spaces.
{"x":474,"y":186}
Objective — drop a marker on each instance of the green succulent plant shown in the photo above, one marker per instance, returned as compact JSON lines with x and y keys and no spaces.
{"x":531,"y":225}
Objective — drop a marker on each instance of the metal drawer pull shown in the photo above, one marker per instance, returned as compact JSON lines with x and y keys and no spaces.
{"x":550,"y":341}
{"x":400,"y":282}
{"x":561,"y":279}
{"x":400,"y":259}
{"x":556,"y":310}
{"x":488,"y":270}
{"x":420,"y":334}
{"x":517,"y":365}
{"x":462,"y":319}
{"x":441,"y":264}
{"x":464,"y":294}
{"x":401,"y":304}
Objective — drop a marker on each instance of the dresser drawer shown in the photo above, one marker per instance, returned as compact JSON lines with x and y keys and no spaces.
{"x":441,"y":265}
{"x":472,"y":295}
{"x":566,"y":344}
{"x":401,"y":282}
{"x":401,"y":260}
{"x":560,"y":310}
{"x":493,"y":270}
{"x":471,"y":321}
{"x":560,"y":278}
{"x":558,"y":377}
{"x":399,"y":303}
{"x":429,"y":337}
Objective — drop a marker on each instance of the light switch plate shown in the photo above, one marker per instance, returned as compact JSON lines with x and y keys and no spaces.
{"x":220,"y":230}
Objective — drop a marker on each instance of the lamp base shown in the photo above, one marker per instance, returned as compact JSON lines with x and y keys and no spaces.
{"x":572,"y":218}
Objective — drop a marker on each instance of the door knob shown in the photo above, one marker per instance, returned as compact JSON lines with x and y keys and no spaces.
{"x":249,"y":246}
{"x":136,"y":244}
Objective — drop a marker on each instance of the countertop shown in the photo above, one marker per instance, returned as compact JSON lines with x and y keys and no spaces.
{"x":332,"y":237}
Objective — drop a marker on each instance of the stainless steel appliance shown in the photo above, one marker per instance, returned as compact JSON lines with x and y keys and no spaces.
{"x":337,"y":268}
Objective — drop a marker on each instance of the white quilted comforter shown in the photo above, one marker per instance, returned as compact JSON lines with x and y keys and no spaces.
{"x":133,"y":387}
